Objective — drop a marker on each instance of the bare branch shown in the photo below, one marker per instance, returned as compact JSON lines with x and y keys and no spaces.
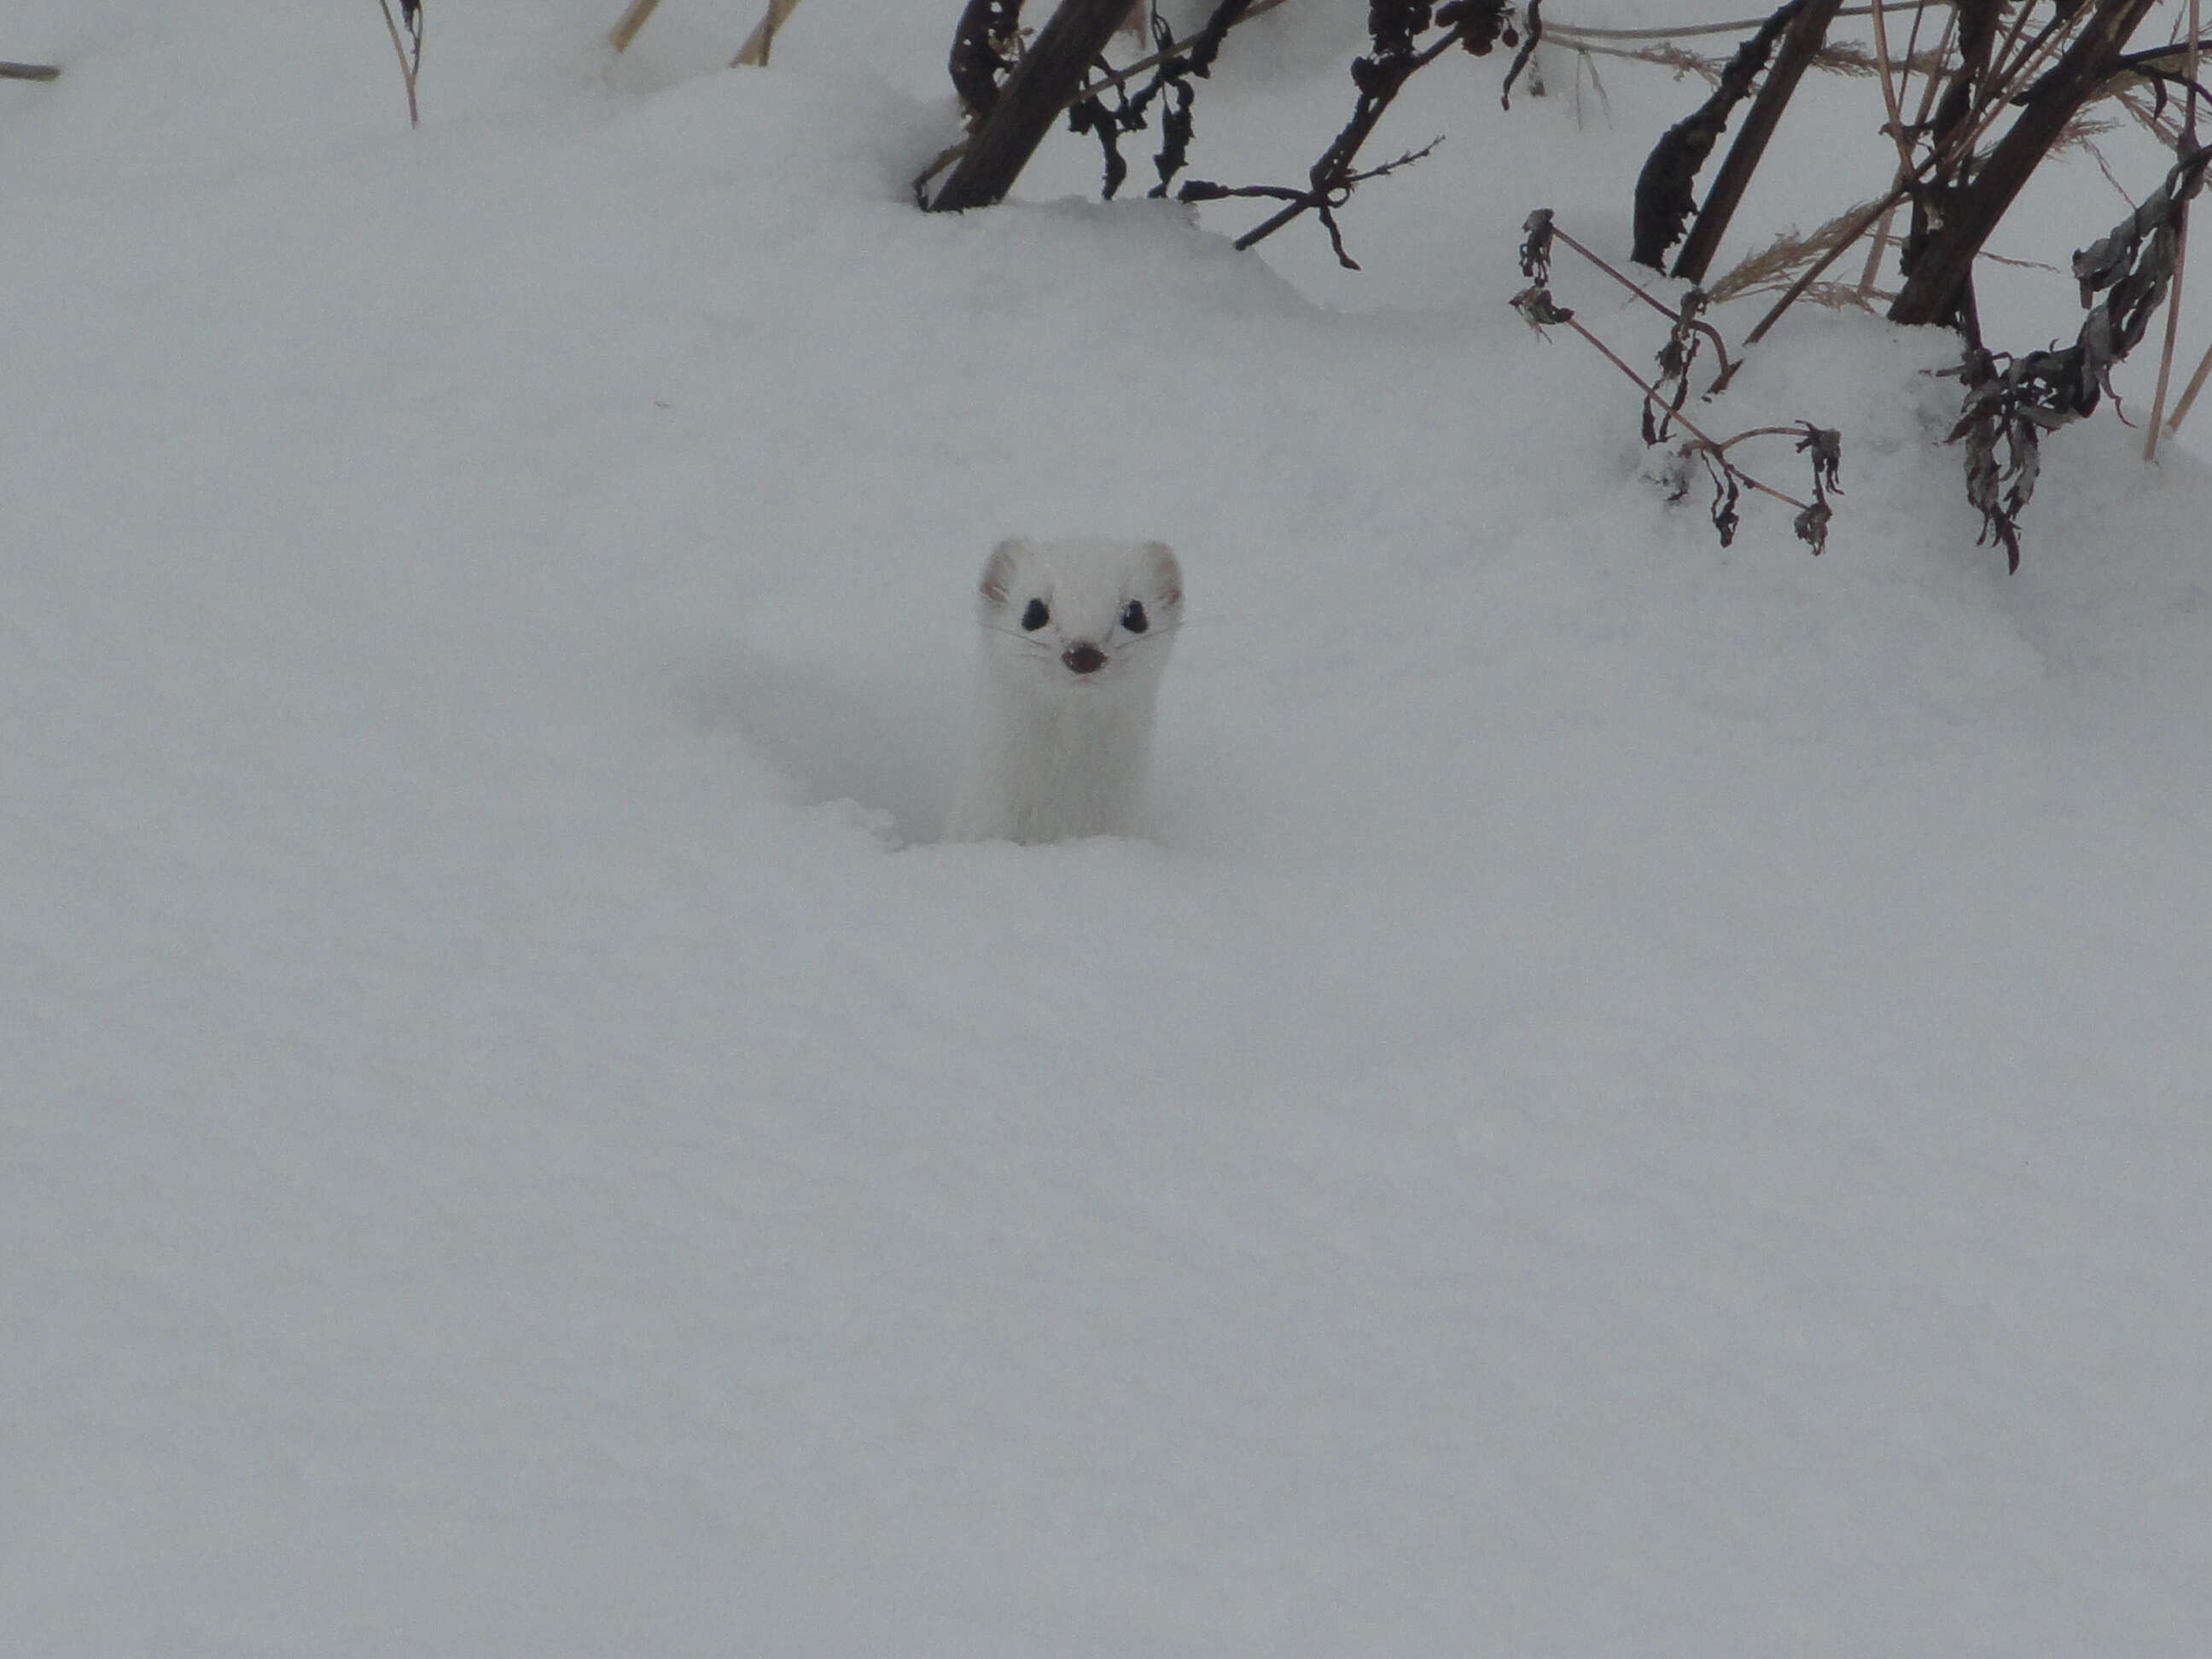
{"x":1044,"y":84}
{"x":1111,"y":80}
{"x":1539,"y":309}
{"x":2180,"y":247}
{"x":410,"y":50}
{"x":1394,"y":29}
{"x":1808,"y":28}
{"x":1941,"y":268}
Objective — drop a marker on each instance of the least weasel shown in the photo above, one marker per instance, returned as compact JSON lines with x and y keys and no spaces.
{"x":1075,"y":636}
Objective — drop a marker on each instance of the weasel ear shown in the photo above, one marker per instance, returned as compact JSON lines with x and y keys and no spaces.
{"x":1167,"y":572}
{"x":998,"y":571}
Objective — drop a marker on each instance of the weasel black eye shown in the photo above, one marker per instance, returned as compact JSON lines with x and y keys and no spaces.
{"x":1134,"y":619}
{"x":1036,"y":616}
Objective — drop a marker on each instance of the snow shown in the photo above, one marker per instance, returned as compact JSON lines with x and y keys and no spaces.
{"x":1642,"y":1099}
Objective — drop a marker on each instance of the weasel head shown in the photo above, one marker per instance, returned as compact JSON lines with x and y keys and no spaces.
{"x":1076,"y":618}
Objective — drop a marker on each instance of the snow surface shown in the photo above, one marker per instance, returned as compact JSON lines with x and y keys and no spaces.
{"x":1643,"y":1100}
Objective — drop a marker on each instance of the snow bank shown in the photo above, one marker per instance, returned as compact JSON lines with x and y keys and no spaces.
{"x":1643,"y":1100}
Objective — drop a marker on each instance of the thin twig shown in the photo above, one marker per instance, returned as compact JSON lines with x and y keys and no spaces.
{"x":2013,"y":81}
{"x":2173,"y":332}
{"x":1940,"y":282}
{"x":1117,"y":78}
{"x":1728,"y":364}
{"x":1658,"y":401}
{"x":2180,"y":253}
{"x":1323,"y":198}
{"x":1333,"y":172}
{"x":1858,"y":228}
{"x":2188,"y":397}
{"x":1674,"y":58}
{"x":408,"y":67}
{"x":1891,"y":96}
{"x":1929,"y":83}
{"x":1913,"y":40}
{"x":1892,"y":100}
{"x":1998,"y":58}
{"x":1760,"y":432}
{"x":1740,"y":26}
{"x":29,"y":72}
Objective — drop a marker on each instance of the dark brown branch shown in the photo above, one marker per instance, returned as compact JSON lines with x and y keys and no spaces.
{"x":1804,"y":37}
{"x":1933,"y":288}
{"x":1111,"y":80}
{"x":2166,"y":59}
{"x":1379,"y":77}
{"x":1728,"y":364}
{"x":1961,"y":109}
{"x":1532,"y":36}
{"x":1323,"y":202}
{"x":29,"y":72}
{"x":1171,"y":88}
{"x":1665,"y":188}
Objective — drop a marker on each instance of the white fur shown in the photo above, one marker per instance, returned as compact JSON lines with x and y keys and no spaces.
{"x":1060,"y":753}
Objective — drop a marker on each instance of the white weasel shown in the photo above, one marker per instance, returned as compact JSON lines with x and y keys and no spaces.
{"x":1075,"y":636}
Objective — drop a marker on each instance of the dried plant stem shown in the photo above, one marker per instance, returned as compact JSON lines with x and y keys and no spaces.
{"x":1806,"y":33}
{"x":1048,"y":78}
{"x":754,"y":53}
{"x":1120,"y":77}
{"x":1892,"y":95}
{"x":1950,"y":152}
{"x":1334,"y":173}
{"x":1892,"y":100}
{"x":1857,"y":229}
{"x":2173,"y":331}
{"x":1628,"y":282}
{"x":1658,"y":400}
{"x":1664,"y":56}
{"x":2180,"y":258}
{"x":2189,"y":396}
{"x":1755,"y":432}
{"x":1728,"y":364}
{"x":632,"y":20}
{"x":1111,"y":80}
{"x":1928,"y":82}
{"x":2102,"y":26}
{"x":1876,"y":246}
{"x":2052,"y":30}
{"x":29,"y":72}
{"x":1929,"y":79}
{"x":1913,"y":40}
{"x":1740,"y":26}
{"x":411,"y":64}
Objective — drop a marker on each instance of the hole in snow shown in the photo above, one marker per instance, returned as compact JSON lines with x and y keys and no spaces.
{"x":842,"y":732}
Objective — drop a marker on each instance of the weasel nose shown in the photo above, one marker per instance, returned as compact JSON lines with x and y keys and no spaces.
{"x":1083,"y":658}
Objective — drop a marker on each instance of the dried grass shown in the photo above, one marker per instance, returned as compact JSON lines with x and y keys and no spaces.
{"x":1789,"y":253}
